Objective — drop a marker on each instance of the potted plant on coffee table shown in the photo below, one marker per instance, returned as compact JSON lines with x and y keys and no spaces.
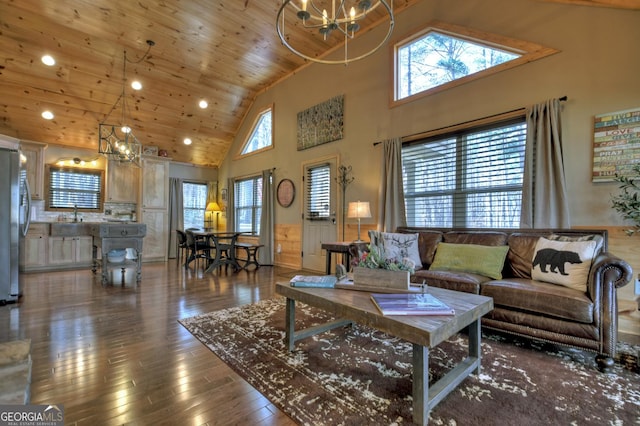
{"x":377,"y":271}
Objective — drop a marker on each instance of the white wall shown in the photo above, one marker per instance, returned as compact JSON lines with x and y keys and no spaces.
{"x":597,"y":68}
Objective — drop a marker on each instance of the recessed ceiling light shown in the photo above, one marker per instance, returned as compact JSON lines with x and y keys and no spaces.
{"x":136,"y":85}
{"x":48,"y":60}
{"x":187,"y":141}
{"x":203,"y":104}
{"x":47,"y":115}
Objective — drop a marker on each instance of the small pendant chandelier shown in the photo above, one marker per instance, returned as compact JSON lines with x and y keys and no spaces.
{"x":117,"y":141}
{"x":335,"y":20}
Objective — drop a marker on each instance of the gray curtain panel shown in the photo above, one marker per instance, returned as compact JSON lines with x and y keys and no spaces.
{"x":176,"y":217}
{"x":265,"y":254}
{"x":544,"y":190}
{"x":391,"y":210}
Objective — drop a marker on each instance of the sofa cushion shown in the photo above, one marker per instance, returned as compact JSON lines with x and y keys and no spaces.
{"x":472,"y":258}
{"x":592,"y":237}
{"x":520,"y":256}
{"x":486,"y":238}
{"x":566,"y":263}
{"x":397,"y":246}
{"x":541,"y":298}
{"x":457,"y":281}
{"x":427,"y":243}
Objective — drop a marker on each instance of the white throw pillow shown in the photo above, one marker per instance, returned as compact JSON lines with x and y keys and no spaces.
{"x":399,"y":246}
{"x":564,"y":263}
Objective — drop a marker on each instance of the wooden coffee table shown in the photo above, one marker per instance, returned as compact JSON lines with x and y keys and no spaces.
{"x":424,"y":332}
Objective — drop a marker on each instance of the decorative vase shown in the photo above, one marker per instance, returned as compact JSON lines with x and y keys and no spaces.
{"x":380,"y":278}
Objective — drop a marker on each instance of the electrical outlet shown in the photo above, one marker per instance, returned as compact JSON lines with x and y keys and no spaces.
{"x":637,"y":288}
{"x":279,"y":249}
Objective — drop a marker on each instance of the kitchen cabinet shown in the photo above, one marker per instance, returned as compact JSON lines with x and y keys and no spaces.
{"x":33,"y":247}
{"x":75,"y":251}
{"x":34,"y":154}
{"x":122,"y":182}
{"x":153,"y":208}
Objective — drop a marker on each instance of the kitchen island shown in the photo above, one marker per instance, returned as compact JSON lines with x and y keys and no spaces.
{"x":113,"y":236}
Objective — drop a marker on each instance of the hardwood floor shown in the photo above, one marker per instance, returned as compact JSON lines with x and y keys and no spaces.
{"x":117,"y":355}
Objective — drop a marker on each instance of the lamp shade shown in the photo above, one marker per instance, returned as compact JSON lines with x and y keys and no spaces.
{"x":359,"y":209}
{"x":213,"y":207}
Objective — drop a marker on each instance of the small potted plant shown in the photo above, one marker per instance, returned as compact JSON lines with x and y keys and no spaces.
{"x":375,"y":270}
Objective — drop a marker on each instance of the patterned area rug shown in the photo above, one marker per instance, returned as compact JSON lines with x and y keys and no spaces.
{"x":356,"y":375}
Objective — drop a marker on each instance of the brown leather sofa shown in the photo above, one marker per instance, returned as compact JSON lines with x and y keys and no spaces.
{"x":531,"y":308}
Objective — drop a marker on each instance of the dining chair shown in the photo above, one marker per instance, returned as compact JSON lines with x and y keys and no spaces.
{"x":198,"y":247}
{"x":181,"y":246}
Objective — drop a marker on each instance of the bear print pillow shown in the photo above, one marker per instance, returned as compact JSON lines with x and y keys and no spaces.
{"x":563,"y":263}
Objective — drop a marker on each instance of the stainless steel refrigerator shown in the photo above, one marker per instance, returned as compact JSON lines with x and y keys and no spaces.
{"x":15,"y":206}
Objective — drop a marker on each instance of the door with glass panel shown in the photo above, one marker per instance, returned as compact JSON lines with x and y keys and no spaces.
{"x":319,"y":215}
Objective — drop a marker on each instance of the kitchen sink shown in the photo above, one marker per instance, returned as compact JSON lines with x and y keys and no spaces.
{"x":69,"y":229}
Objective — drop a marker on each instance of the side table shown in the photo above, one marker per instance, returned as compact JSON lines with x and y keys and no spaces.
{"x":340,"y":247}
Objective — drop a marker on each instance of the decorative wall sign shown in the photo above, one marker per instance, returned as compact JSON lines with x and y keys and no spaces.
{"x":321,"y":123}
{"x":286,"y":192}
{"x":616,"y":144}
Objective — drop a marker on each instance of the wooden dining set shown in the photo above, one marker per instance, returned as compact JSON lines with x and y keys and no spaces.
{"x":216,"y":249}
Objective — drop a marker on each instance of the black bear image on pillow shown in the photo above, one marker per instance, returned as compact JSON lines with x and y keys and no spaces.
{"x":563,"y":263}
{"x":555,"y":259}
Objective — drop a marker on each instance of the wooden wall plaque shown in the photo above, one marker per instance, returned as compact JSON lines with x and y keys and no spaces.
{"x":616,"y":144}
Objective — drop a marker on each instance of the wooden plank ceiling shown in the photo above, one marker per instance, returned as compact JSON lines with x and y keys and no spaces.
{"x":225,"y":52}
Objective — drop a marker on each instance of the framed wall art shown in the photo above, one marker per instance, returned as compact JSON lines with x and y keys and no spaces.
{"x":321,"y":123}
{"x":616,"y":144}
{"x":286,"y":192}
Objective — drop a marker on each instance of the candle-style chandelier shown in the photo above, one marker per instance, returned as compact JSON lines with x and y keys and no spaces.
{"x":335,"y":21}
{"x":117,"y":141}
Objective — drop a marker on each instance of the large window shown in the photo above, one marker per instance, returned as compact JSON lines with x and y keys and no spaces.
{"x":194,"y":203}
{"x":74,"y":188}
{"x":468,"y":179}
{"x":248,"y":204}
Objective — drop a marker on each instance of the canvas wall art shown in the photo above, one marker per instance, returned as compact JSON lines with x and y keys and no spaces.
{"x":321,"y":123}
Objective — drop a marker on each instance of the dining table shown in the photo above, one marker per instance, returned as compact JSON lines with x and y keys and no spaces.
{"x":225,"y":248}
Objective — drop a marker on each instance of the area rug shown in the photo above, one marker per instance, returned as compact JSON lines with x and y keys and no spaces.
{"x":359,"y":376}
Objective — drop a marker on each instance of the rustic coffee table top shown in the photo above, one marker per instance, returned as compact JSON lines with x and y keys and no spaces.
{"x":424,"y":330}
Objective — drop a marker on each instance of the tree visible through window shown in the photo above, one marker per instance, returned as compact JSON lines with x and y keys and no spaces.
{"x":194,"y":203}
{"x":437,"y":58}
{"x":261,"y":134}
{"x":248,"y":204}
{"x":471,"y":179}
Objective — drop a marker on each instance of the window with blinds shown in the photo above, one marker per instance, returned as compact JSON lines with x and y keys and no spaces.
{"x":248,"y":204}
{"x":469,"y":179}
{"x":194,"y":203}
{"x":318,"y":187}
{"x":69,"y":188}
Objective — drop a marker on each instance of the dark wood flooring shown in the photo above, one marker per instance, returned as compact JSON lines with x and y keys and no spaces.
{"x":117,"y":355}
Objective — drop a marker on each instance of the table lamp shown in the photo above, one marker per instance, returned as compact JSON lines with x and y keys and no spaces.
{"x":214,"y":207}
{"x":358,"y":210}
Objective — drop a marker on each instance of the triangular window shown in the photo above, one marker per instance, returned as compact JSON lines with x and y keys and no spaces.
{"x":261,"y":136}
{"x":443,"y":56}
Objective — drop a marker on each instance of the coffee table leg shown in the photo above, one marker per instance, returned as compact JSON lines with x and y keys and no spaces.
{"x":474,"y":343}
{"x":290,"y":324}
{"x":420,"y":384}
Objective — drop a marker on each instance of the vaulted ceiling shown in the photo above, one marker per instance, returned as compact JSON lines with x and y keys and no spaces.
{"x":225,"y":52}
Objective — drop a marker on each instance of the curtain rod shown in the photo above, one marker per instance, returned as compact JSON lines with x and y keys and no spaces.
{"x":513,"y":111}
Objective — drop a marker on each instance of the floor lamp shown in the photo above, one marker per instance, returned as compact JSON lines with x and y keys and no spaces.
{"x":358,"y":210}
{"x":213,"y":207}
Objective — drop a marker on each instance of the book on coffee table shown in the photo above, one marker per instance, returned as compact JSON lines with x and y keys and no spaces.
{"x":410,"y":304}
{"x":324,"y":281}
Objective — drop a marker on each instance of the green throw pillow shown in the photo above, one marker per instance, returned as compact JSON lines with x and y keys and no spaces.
{"x":472,"y":258}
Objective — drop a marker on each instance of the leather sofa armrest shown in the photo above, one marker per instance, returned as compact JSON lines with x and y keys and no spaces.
{"x":610,"y":269}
